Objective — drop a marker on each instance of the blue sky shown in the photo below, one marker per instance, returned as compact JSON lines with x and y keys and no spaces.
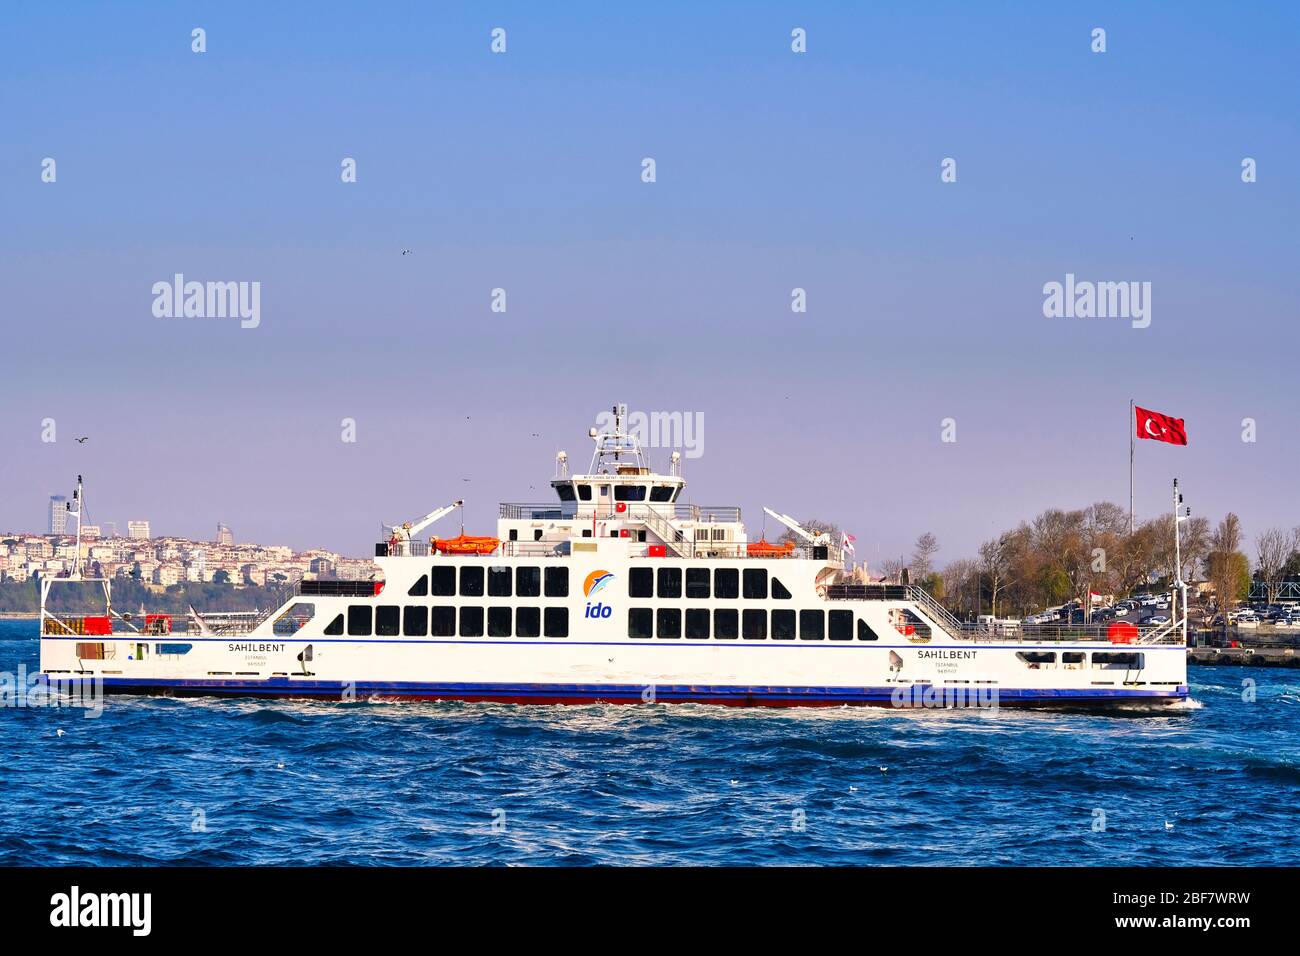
{"x":522,"y":171}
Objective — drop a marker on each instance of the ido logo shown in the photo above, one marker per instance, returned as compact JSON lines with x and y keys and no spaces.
{"x":595,"y":581}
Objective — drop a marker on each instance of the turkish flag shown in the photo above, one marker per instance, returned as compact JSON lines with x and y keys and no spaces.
{"x":1160,"y":427}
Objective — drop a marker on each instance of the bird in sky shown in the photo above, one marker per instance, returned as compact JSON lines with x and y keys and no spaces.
{"x":406,"y":252}
{"x":83,"y":439}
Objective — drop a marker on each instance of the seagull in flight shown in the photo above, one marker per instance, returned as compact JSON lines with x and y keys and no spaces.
{"x":406,"y":252}
{"x":83,"y":439}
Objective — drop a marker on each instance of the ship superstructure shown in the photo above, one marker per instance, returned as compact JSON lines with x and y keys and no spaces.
{"x":616,"y":590}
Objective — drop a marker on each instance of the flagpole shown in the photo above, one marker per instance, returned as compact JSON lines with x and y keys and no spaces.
{"x":1131,"y":431}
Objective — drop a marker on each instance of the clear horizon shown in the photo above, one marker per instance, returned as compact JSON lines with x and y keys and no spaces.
{"x":522,"y":171}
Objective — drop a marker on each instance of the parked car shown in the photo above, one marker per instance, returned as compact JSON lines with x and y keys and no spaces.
{"x":1158,"y":621}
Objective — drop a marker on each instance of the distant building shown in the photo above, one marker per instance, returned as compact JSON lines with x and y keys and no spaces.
{"x":112,"y":528}
{"x":58,"y":514}
{"x":224,"y":537}
{"x":137,"y":529}
{"x":90,"y":531}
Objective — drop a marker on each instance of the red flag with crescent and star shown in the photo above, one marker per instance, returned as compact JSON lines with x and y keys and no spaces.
{"x":1158,"y":427}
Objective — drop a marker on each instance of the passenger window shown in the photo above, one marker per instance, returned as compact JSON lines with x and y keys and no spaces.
{"x":724,"y":624}
{"x":557,"y":622}
{"x":640,"y":622}
{"x":812,"y":625}
{"x":640,"y":583}
{"x":668,"y":622}
{"x":498,"y":619}
{"x":442,"y":621}
{"x":557,"y":584}
{"x":335,"y":627}
{"x":415,"y":621}
{"x":528,"y":622}
{"x":670,"y":582}
{"x":756,"y":583}
{"x":697,"y":583}
{"x":841,"y":626}
{"x":387,"y":618}
{"x":754,"y":624}
{"x":865,"y":633}
{"x":528,"y":581}
{"x":499,"y":578}
{"x":471,"y":621}
{"x":359,"y":620}
{"x":726,"y":583}
{"x":420,"y":588}
{"x":783,"y":625}
{"x":697,"y":623}
{"x":471,"y":580}
{"x":442,"y":581}
{"x":779,"y":590}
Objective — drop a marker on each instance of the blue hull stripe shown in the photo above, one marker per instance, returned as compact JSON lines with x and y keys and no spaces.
{"x":757,"y":695}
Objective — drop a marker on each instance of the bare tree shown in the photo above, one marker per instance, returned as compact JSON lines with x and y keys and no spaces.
{"x":923,"y":556}
{"x":995,"y":564}
{"x":1272,"y":548}
{"x":892,"y":569}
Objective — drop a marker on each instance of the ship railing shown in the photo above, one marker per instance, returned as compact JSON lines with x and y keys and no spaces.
{"x":997,"y":631}
{"x":561,"y":510}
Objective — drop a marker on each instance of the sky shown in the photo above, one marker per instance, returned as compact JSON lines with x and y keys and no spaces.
{"x":522,"y":171}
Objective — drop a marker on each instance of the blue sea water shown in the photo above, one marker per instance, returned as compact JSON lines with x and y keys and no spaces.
{"x":214,"y":781}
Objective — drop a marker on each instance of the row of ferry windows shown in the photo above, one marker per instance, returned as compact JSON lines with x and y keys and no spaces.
{"x":701,"y":583}
{"x":390,"y":620}
{"x":501,"y":581}
{"x":657,"y":493}
{"x":751,"y":624}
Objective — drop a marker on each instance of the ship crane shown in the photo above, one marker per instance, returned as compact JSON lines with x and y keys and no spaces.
{"x":409,"y":529}
{"x":820,"y":538}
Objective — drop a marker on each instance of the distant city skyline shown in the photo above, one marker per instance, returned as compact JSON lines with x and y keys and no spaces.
{"x":776,"y":171}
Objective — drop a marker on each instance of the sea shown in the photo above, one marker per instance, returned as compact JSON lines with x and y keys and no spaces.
{"x":205,"y":781}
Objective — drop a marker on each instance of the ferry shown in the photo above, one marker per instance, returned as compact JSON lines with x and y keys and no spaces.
{"x":615,"y":591}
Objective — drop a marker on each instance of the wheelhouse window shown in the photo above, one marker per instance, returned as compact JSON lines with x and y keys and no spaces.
{"x":359,"y":620}
{"x":640,"y":622}
{"x":812,"y":625}
{"x":754,"y":624}
{"x":498,"y":621}
{"x":697,"y":583}
{"x":471,"y":580}
{"x":640,"y":583}
{"x":725,"y":620}
{"x":471,"y":621}
{"x":565,"y":491}
{"x":415,"y":621}
{"x":756,"y":583}
{"x":528,"y":622}
{"x":499,"y":578}
{"x":528,"y":581}
{"x":661,"y":493}
{"x":840,"y":625}
{"x":584,"y":492}
{"x":442,"y":581}
{"x":629,"y":492}
{"x":556,"y":622}
{"x":697,"y":623}
{"x":442,"y":621}
{"x":783,"y":625}
{"x":557,"y":582}
{"x":387,"y":617}
{"x":670,"y":582}
{"x":726,"y":583}
{"x":668,"y":622}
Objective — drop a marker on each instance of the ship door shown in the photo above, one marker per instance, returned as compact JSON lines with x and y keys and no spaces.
{"x":304,"y":658}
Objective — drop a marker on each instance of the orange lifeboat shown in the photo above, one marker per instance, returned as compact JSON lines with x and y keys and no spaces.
{"x":764,"y":549}
{"x":467,"y":544}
